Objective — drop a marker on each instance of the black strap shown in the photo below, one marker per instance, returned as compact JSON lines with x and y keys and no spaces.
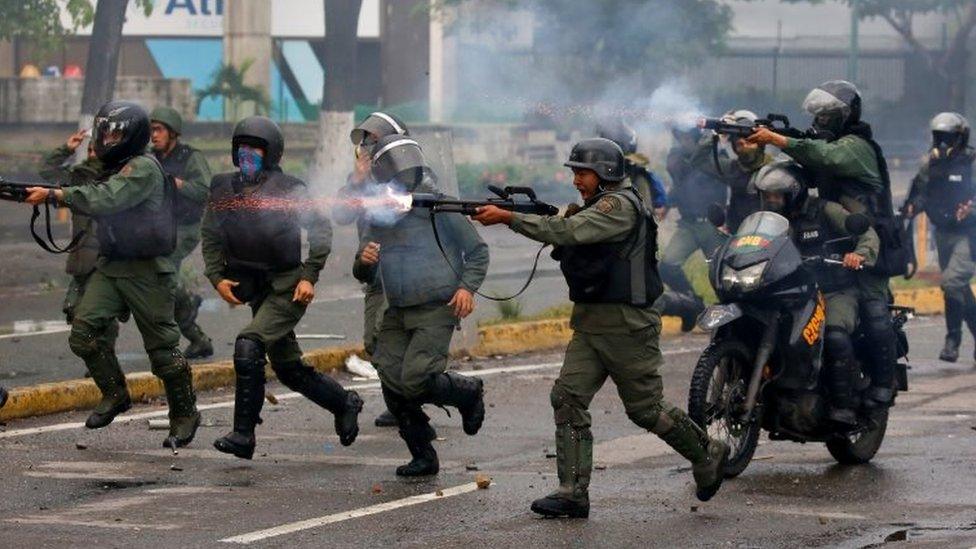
{"x":440,"y":246}
{"x":50,"y":245}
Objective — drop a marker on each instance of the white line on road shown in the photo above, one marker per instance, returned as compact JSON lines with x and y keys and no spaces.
{"x":126,"y":418}
{"x":346,"y":515}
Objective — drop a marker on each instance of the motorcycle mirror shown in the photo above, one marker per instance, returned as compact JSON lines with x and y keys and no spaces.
{"x":716,"y":214}
{"x":857,"y":224}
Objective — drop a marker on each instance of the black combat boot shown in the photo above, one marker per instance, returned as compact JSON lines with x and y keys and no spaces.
{"x":881,"y":363}
{"x":184,"y":419}
{"x":574,"y":464}
{"x":842,"y":392}
{"x":953,"y":319}
{"x":107,"y":375}
{"x":187,"y":310}
{"x":327,"y":393}
{"x":685,"y":306}
{"x":465,"y":393}
{"x":386,"y":419}
{"x":248,"y":399}
{"x":417,"y":433}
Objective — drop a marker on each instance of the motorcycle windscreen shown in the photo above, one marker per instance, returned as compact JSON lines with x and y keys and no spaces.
{"x":756,"y":234}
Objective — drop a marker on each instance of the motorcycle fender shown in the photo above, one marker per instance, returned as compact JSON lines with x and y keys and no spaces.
{"x":716,"y":316}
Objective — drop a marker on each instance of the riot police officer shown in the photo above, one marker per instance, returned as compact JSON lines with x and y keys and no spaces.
{"x":191,"y":172}
{"x":693,"y":191}
{"x":252,"y":248}
{"x":849,"y":167}
{"x":349,"y":209}
{"x":59,"y":168}
{"x":818,"y":229}
{"x":641,"y":178}
{"x":607,"y":253}
{"x":429,"y":280}
{"x":944,"y":190}
{"x":739,"y":172}
{"x":133,"y":210}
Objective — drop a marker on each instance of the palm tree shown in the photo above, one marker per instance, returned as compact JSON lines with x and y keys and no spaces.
{"x":228,"y":82}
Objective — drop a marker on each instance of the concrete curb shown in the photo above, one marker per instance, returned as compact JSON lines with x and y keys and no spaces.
{"x":499,"y":339}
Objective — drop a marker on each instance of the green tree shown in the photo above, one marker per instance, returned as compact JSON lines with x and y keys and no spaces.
{"x":39,"y":21}
{"x":227,"y":82}
{"x":949,"y":64}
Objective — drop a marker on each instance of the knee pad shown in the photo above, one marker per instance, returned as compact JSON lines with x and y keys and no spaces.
{"x":837,"y":344}
{"x":84,"y":344}
{"x":653,"y":418}
{"x":566,"y":409}
{"x":248,"y":349}
{"x":166,"y":363}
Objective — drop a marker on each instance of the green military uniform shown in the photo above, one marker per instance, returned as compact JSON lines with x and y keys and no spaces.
{"x":189,"y":165}
{"x":841,"y":302}
{"x":847,"y":172}
{"x":415,"y":334}
{"x":275,"y":315}
{"x":693,"y":191}
{"x":610,"y":339}
{"x":81,"y":261}
{"x":143,"y":287}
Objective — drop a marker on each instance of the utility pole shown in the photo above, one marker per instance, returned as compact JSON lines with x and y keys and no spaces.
{"x":852,"y":59}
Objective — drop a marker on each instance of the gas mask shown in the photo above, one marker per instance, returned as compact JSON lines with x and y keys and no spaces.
{"x":250,"y":161}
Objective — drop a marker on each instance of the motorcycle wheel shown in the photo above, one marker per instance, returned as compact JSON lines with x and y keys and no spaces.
{"x":859,"y":448}
{"x":718,"y":389}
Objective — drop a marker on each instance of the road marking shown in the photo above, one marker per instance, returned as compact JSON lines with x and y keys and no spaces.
{"x":128,"y":418}
{"x":347,"y":515}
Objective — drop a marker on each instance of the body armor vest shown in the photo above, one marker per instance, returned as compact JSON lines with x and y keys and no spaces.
{"x":188,"y":211}
{"x":950,"y":184}
{"x":810,"y":231}
{"x":141,"y":232}
{"x":260,"y":223}
{"x":616,"y":272}
{"x":412,"y":269}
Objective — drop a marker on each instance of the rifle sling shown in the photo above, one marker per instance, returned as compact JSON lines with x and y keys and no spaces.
{"x":50,"y":245}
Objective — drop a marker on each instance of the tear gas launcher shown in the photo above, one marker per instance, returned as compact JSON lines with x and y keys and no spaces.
{"x":778,"y":123}
{"x":515,"y":199}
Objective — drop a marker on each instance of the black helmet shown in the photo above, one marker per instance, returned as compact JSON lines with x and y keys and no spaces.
{"x":380,"y":124}
{"x":119,"y":132}
{"x":950,"y":134}
{"x":395,"y":154}
{"x":600,"y":155}
{"x":259,"y":131}
{"x":787,"y":178}
{"x":834,"y":105}
{"x":619,"y":132}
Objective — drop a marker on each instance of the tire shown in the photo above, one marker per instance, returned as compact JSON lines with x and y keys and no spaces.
{"x":730,"y":356}
{"x":861,"y":448}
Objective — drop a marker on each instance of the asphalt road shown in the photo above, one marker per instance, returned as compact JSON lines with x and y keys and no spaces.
{"x":34,"y":338}
{"x":62,"y":485}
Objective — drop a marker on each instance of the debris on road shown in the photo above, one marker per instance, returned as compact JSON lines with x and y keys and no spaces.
{"x":175,"y":467}
{"x":362,"y":368}
{"x":271,"y":398}
{"x":81,"y":446}
{"x":471,"y":467}
{"x":158,"y":424}
{"x":377,"y":488}
{"x":483,"y":481}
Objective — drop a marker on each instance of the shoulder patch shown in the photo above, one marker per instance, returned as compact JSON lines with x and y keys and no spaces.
{"x":126,"y":170}
{"x":607,"y":204}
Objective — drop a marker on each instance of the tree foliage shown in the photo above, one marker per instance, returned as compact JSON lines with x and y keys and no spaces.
{"x":227,"y":82}
{"x":40,"y":21}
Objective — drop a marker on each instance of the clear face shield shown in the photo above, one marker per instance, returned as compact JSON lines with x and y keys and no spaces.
{"x":827,"y":110}
{"x":109,"y":133}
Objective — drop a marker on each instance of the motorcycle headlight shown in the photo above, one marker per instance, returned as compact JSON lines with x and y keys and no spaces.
{"x":744,"y":279}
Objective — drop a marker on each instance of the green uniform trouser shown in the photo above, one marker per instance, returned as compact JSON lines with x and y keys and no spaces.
{"x":413,"y":345}
{"x":955,"y":260}
{"x":632,"y":360}
{"x":691,"y":236}
{"x":274,"y":318}
{"x":149,"y":297}
{"x":76,"y":289}
{"x":186,"y":307}
{"x":842,"y":311}
{"x":374,"y":305}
